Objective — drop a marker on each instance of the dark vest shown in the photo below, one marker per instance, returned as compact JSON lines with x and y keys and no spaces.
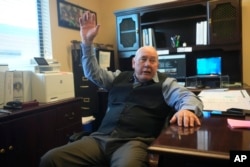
{"x":135,"y":112}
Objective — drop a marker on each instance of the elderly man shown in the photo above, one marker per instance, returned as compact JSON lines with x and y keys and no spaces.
{"x":140,"y":104}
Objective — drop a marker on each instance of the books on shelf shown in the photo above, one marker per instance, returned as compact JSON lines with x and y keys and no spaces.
{"x":4,"y":67}
{"x":201,"y":33}
{"x":148,"y":37}
{"x":2,"y":85}
{"x":145,"y":37}
{"x":151,"y":36}
{"x":22,"y":85}
{"x":8,"y":86}
{"x":15,"y":85}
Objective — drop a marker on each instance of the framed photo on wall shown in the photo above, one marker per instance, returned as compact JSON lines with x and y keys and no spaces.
{"x":68,"y":14}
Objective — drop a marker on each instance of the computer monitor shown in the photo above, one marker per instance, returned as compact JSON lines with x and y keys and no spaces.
{"x":174,"y":65}
{"x":208,"y":66}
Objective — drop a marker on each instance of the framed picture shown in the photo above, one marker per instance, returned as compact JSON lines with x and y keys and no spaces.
{"x":69,"y":14}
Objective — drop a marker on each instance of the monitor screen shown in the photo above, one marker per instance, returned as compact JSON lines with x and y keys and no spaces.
{"x":173,"y":65}
{"x":208,"y":66}
{"x":41,"y":61}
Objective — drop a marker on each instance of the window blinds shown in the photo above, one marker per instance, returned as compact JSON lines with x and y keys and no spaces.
{"x":24,"y":31}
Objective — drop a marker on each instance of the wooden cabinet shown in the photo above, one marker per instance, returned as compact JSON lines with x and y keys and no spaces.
{"x":18,"y":141}
{"x":225,"y":22}
{"x":128,"y":28}
{"x":221,"y":34}
{"x":27,"y":134}
{"x":69,"y":115}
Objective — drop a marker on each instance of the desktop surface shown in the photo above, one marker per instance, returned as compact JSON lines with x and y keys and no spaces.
{"x":213,"y":139}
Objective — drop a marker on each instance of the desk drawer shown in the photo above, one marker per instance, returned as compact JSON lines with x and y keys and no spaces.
{"x":63,"y":134}
{"x":88,"y":106}
{"x":68,"y":114}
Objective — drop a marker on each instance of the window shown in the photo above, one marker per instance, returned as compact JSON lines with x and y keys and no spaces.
{"x":24,"y":32}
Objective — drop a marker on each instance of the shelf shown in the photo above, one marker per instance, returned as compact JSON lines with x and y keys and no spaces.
{"x":205,"y":48}
{"x":127,"y":31}
{"x":201,"y":17}
{"x":223,"y":36}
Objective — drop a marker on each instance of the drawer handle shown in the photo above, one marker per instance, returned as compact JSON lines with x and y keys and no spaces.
{"x":84,"y":86}
{"x":11,"y":148}
{"x":84,"y":79}
{"x":85,"y":108}
{"x":86,"y":100}
{"x":70,"y":116}
{"x":2,"y":151}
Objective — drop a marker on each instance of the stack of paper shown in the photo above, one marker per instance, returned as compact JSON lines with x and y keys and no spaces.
{"x":235,"y":123}
{"x":223,"y":99}
{"x":88,"y":119}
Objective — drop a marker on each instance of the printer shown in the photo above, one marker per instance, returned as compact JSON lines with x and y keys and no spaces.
{"x":50,"y":87}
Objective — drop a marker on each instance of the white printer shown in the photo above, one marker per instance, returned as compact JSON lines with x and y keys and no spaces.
{"x":49,"y":87}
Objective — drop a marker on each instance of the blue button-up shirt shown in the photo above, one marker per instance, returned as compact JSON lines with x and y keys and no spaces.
{"x":175,"y":95}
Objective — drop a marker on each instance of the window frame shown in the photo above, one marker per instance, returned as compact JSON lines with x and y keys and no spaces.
{"x":42,"y":39}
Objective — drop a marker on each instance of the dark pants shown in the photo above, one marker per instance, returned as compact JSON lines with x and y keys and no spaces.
{"x":99,"y":151}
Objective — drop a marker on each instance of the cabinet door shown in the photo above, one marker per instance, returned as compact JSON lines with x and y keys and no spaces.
{"x":46,"y":132}
{"x":18,"y":142}
{"x":127,"y":32}
{"x":68,"y":121}
{"x":5,"y":149}
{"x":224,"y":19}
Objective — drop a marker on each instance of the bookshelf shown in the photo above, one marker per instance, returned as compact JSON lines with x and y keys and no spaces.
{"x":221,"y":32}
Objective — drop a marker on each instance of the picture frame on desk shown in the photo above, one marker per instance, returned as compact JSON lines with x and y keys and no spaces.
{"x":69,"y":14}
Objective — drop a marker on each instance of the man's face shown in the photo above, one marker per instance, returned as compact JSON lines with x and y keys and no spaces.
{"x":145,"y":63}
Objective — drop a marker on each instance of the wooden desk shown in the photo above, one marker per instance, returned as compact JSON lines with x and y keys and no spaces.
{"x":198,"y":90}
{"x":25,"y":135}
{"x":209,"y":144}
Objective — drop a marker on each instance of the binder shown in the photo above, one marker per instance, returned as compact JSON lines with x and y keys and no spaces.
{"x":2,"y":91}
{"x":151,"y":36}
{"x":22,"y":86}
{"x":8,"y":86}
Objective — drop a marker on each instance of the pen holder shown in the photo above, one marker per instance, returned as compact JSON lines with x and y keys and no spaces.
{"x":175,"y":41}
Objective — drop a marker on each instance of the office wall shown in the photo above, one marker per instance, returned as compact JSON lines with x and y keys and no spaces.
{"x":62,"y":37}
{"x":107,"y":34}
{"x":246,"y":40}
